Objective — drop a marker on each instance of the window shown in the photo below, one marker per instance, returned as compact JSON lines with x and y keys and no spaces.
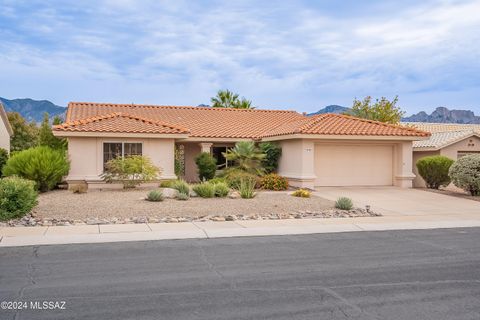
{"x":217,"y":153}
{"x":112,"y":150}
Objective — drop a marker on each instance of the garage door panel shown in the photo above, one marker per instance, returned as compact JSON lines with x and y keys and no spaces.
{"x":353,"y":165}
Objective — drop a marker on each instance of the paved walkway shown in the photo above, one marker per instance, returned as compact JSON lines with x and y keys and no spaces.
{"x":23,"y":236}
{"x":394,"y":201}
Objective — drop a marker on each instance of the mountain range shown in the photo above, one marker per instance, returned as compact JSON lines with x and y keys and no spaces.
{"x":33,"y":110}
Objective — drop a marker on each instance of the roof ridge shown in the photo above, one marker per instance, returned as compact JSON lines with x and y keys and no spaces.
{"x":72,"y":104}
{"x":390,"y":125}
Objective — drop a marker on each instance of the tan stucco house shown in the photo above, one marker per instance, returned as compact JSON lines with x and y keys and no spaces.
{"x":447,"y":139}
{"x":5,"y":129}
{"x":323,"y":150}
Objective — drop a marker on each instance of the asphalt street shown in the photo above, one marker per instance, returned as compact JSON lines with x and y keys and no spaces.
{"x":428,"y":274}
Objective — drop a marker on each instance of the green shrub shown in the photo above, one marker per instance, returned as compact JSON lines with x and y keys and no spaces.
{"x":207,"y":166}
{"x":221,"y":189}
{"x":434,"y":170}
{"x":273,"y":181}
{"x":217,"y":180}
{"x":181,"y":186}
{"x":131,"y":171}
{"x":465,"y":174}
{"x":204,"y":190}
{"x":182,"y":196}
{"x":234,"y":176}
{"x":247,"y":187}
{"x":167,"y":183}
{"x":301,"y":193}
{"x":3,"y":158}
{"x":344,"y":203}
{"x":17,"y":197}
{"x":154,"y":196}
{"x":42,"y":164}
{"x":272,"y":153}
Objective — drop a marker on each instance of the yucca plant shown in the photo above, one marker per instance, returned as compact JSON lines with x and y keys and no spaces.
{"x":221,"y":189}
{"x":204,"y":190}
{"x":344,"y":203}
{"x":247,"y":187}
{"x":181,"y":186}
{"x":154,"y":196}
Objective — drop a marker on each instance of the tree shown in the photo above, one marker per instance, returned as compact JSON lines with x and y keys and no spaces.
{"x":228,"y":99}
{"x":25,"y":135}
{"x":46,"y":137}
{"x":381,"y":110}
{"x":246,"y":156}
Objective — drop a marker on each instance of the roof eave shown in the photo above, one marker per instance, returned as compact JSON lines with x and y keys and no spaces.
{"x":342,"y":137}
{"x":94,"y":134}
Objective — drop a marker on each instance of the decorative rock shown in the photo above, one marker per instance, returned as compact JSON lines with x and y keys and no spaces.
{"x":169,"y":193}
{"x":231,"y":218}
{"x":140,"y":220}
{"x":170,"y":220}
{"x":234,"y":195}
{"x":193,"y":194}
{"x":47,"y":223}
{"x":218,"y":218}
{"x":153,"y":220}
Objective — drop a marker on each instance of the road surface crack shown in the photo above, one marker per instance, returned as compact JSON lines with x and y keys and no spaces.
{"x":31,"y":281}
{"x":211,"y":266}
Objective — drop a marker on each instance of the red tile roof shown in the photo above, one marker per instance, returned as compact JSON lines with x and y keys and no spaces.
{"x":205,"y":122}
{"x":338,"y":124}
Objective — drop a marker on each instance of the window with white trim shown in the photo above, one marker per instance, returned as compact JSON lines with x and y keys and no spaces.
{"x":112,"y":150}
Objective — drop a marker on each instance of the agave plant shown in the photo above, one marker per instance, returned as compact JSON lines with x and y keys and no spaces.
{"x":246,"y":156}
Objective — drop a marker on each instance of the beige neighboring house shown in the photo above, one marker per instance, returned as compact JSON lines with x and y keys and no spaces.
{"x":323,"y":150}
{"x":447,"y":139}
{"x":5,"y":130}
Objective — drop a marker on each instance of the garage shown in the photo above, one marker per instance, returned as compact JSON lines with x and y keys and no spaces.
{"x":353,"y":164}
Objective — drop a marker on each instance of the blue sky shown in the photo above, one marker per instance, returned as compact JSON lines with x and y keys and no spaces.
{"x":298,"y":55}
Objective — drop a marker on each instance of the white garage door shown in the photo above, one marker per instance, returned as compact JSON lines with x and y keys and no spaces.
{"x":353,"y":165}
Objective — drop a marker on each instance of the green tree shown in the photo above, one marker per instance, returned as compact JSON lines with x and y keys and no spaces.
{"x":46,"y":137}
{"x":25,"y":135}
{"x":228,"y":99}
{"x":381,"y":110}
{"x":246,"y":156}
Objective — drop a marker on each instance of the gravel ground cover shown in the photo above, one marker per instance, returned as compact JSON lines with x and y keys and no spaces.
{"x":62,"y":207}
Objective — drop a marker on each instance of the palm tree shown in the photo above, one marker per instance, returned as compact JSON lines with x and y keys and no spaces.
{"x":246,"y":156}
{"x":224,"y":99}
{"x":228,"y":99}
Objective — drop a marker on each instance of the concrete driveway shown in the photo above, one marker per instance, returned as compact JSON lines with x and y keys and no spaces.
{"x":395,"y":201}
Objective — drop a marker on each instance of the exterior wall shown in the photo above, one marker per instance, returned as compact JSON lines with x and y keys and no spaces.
{"x":418,"y":182}
{"x":298,"y":160}
{"x":468,"y":144}
{"x":451,"y":151}
{"x":4,"y":137}
{"x":191,"y":151}
{"x":86,"y":157}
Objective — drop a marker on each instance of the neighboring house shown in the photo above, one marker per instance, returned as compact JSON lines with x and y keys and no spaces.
{"x":447,"y":139}
{"x":323,"y":150}
{"x":5,"y":130}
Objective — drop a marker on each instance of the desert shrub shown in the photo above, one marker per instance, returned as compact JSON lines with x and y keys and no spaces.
{"x":273,"y":181}
{"x":181,"y":186}
{"x":3,"y":158}
{"x":247,"y":187}
{"x":221,"y":189}
{"x":465,"y":174}
{"x":204,"y":190}
{"x":344,"y":203}
{"x":154,"y":196}
{"x":234,"y":176}
{"x":79,"y":188}
{"x":167,"y":183}
{"x":272,"y":153}
{"x":131,"y":171}
{"x":434,"y":170}
{"x":17,"y":197}
{"x":41,"y":164}
{"x":207,"y":166}
{"x":182,"y":196}
{"x":301,"y":193}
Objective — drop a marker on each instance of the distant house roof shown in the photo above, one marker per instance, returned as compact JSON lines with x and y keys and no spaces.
{"x":443,"y":134}
{"x":4,"y":117}
{"x":206,"y":122}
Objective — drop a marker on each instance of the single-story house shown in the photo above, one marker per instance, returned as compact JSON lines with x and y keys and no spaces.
{"x":447,"y":139}
{"x":5,"y":130}
{"x":323,"y":150}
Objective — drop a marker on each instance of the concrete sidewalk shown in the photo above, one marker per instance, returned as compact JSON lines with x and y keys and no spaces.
{"x":23,"y":236}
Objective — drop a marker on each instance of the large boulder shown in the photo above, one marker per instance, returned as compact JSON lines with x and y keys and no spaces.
{"x":169,"y":193}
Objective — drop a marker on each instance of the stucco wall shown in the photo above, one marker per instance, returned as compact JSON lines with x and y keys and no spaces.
{"x":4,"y":137}
{"x":86,"y":156}
{"x":191,"y":151}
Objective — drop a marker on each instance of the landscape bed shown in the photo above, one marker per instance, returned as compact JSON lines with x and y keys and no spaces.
{"x":62,"y":207}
